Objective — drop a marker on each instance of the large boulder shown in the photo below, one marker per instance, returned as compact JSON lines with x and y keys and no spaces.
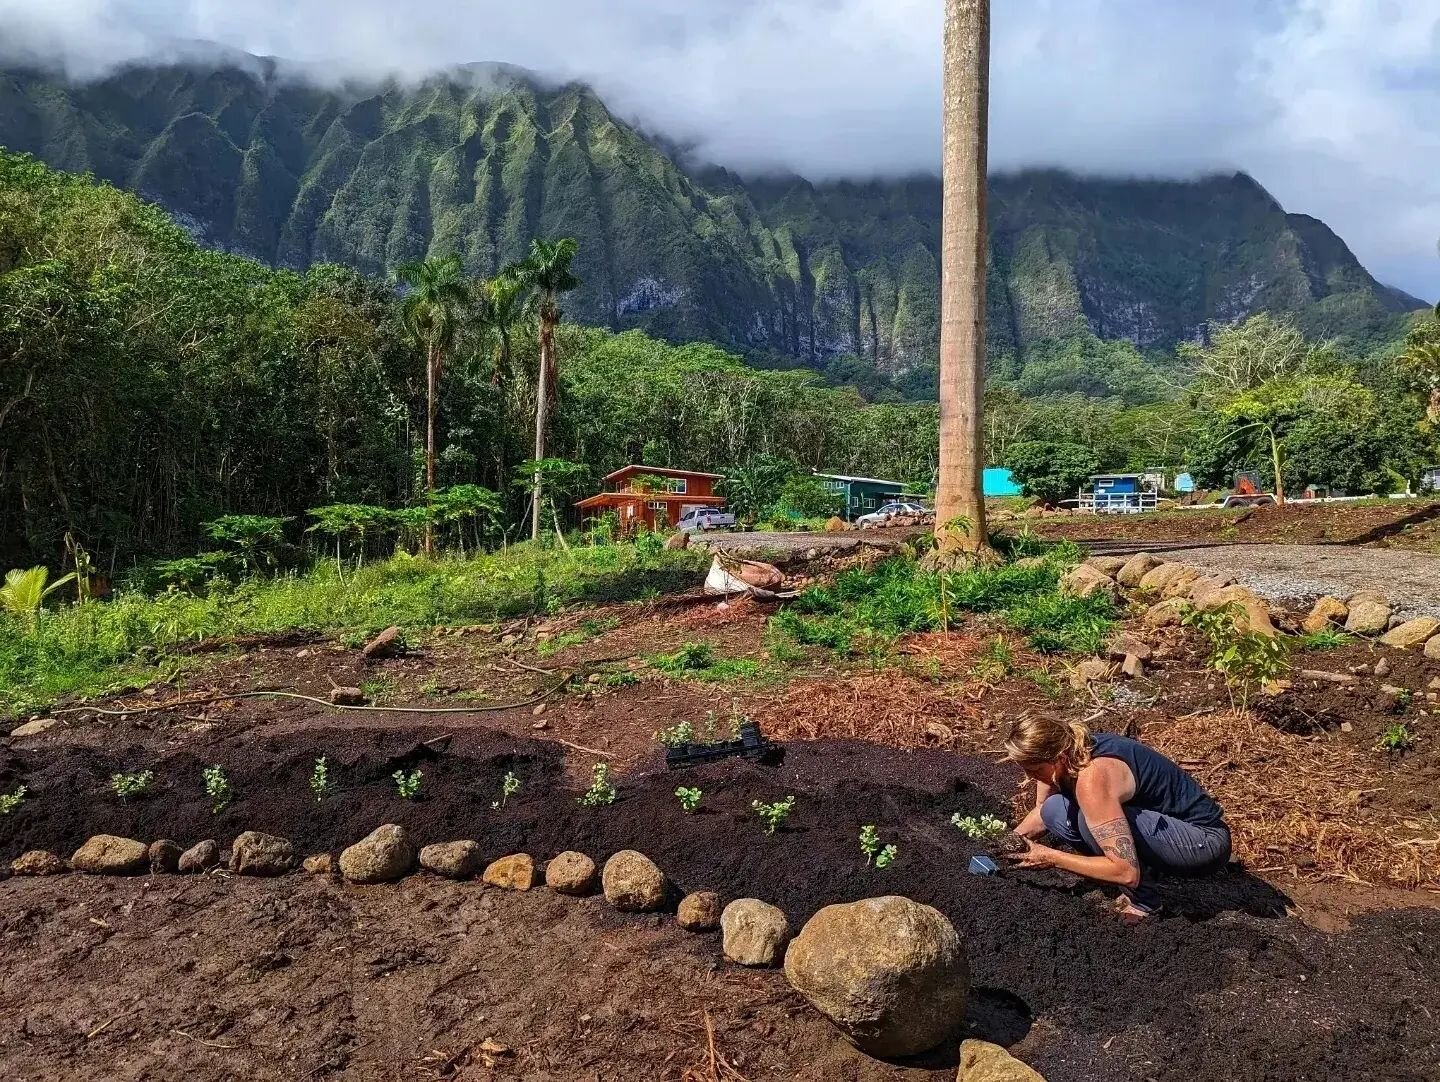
{"x":1432,"y":649}
{"x":386,"y":644}
{"x":38,"y":862}
{"x":981,"y":1061}
{"x":34,"y":727}
{"x":1169,"y":613}
{"x":105,"y":854}
{"x":1157,"y":579}
{"x":1136,"y":568}
{"x":1086,"y":581}
{"x":890,"y":973}
{"x":1179,"y":585}
{"x":753,"y":933}
{"x":1416,"y":632}
{"x":515,"y":872}
{"x":200,"y":857}
{"x":632,"y":883}
{"x":1109,"y":566}
{"x":453,"y":860}
{"x":383,"y":856}
{"x":699,"y":912}
{"x":571,"y":873}
{"x":254,"y":853}
{"x":1369,"y":615}
{"x":1254,"y":613}
{"x":1326,"y":612}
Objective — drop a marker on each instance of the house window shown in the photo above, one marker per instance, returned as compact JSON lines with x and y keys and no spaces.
{"x":657,"y":505}
{"x":677,"y":485}
{"x":867,"y":502}
{"x":835,"y":486}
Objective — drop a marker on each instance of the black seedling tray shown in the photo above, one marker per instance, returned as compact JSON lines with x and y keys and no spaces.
{"x":751,"y":745}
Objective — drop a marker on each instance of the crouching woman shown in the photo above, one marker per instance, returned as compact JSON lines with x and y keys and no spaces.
{"x":1128,"y":810}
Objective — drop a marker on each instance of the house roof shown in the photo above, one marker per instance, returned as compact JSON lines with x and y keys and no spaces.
{"x":614,"y":499}
{"x":862,"y":480}
{"x":659,"y":471}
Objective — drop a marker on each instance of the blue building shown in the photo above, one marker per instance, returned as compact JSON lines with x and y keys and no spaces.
{"x":999,"y":482}
{"x":1118,"y":493}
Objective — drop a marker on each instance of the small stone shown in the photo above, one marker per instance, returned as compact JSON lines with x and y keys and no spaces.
{"x":301,"y":655}
{"x":256,"y":853}
{"x":386,"y":644}
{"x":1368,"y":616}
{"x":509,"y":639}
{"x":383,"y":856}
{"x":511,"y":873}
{"x":1415,"y":632}
{"x":347,"y":696}
{"x":38,"y":862}
{"x":632,"y":883}
{"x":1090,"y":671}
{"x":571,"y":873}
{"x":1434,"y":684}
{"x":677,"y":541}
{"x":1383,"y":667}
{"x":34,"y":727}
{"x":164,"y":857}
{"x":319,"y":864}
{"x":1432,"y":649}
{"x":1346,"y":727}
{"x":539,"y":709}
{"x":453,"y":860}
{"x":1327,"y":612}
{"x":540,"y":725}
{"x":200,"y":857}
{"x":981,"y":1061}
{"x":1132,"y":667}
{"x":1135,"y":569}
{"x":699,"y":912}
{"x":106,"y":854}
{"x":1123,"y":646}
{"x":753,"y":932}
{"x":1169,"y":613}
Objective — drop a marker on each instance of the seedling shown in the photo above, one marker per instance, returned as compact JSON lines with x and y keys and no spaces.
{"x":509,"y":786}
{"x":886,"y":856}
{"x":979,"y":827}
{"x":407,"y":785}
{"x":1396,"y":738}
{"x":1247,"y":659}
{"x":689,"y":798}
{"x":994,"y":662}
{"x":773,"y":815}
{"x":10,"y":801}
{"x":217,"y":788}
{"x":880,"y":856}
{"x":131,"y":786}
{"x":601,"y":793}
{"x":677,"y":735}
{"x":321,"y":784}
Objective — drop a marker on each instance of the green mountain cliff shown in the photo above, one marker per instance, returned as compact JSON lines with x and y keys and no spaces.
{"x":257,"y":161}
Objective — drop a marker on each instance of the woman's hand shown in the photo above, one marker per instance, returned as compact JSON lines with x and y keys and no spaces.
{"x":1035,"y":856}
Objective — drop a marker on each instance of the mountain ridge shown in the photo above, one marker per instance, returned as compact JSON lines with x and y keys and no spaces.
{"x":480,"y":159}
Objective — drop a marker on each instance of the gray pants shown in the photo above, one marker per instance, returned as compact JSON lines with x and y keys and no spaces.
{"x":1162,"y":842}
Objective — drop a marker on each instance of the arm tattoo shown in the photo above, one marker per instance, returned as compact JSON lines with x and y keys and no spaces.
{"x":1114,"y":838}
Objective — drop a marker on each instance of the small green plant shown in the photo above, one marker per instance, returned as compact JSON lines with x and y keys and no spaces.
{"x":880,"y":856}
{"x":601,"y":793}
{"x":979,"y":827}
{"x":1396,"y":738}
{"x":622,"y":679}
{"x":131,"y":786}
{"x":217,"y":788}
{"x":676,"y":735}
{"x":408,"y":785}
{"x":321,"y":784}
{"x":886,"y":856}
{"x":994,"y":662}
{"x":689,"y":798}
{"x":773,"y":815}
{"x":509,"y":786}
{"x":1046,"y":682}
{"x":10,"y":801}
{"x":1246,"y":659}
{"x":1325,"y":639}
{"x":375,"y":690}
{"x":692,"y":657}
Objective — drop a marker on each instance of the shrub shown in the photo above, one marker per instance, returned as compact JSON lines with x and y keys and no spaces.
{"x":217,"y":788}
{"x":773,"y":815}
{"x":130,"y":786}
{"x":1246,"y":659}
{"x":601,"y":793}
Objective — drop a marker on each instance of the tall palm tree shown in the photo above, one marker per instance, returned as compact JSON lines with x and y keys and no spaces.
{"x":433,"y":310}
{"x":501,"y":304}
{"x":546,"y":274}
{"x":959,"y":499}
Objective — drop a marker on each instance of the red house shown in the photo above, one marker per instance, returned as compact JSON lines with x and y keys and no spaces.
{"x":652,"y":496}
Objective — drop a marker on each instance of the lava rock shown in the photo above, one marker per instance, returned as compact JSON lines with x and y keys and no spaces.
{"x":890,"y":973}
{"x":453,"y":860}
{"x":981,"y":1061}
{"x":386,"y":644}
{"x":383,"y":856}
{"x":200,"y":857}
{"x":1327,"y":612}
{"x":1414,"y":632}
{"x":165,"y":857}
{"x":699,"y":912}
{"x":255,"y":853}
{"x":571,"y":873}
{"x":38,"y":862}
{"x":753,"y":933}
{"x":1369,"y":615}
{"x":319,"y":864}
{"x":516,"y":872}
{"x":632,"y":883}
{"x":106,"y":854}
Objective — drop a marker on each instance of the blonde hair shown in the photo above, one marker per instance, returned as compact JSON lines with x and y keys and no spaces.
{"x":1036,"y":740}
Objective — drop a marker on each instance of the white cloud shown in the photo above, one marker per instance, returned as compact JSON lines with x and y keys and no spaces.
{"x":1332,"y":104}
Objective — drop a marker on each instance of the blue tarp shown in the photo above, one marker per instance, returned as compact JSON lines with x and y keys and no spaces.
{"x":999,"y":482}
{"x":1184,"y":483}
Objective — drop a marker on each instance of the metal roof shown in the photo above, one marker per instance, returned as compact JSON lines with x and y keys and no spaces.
{"x":864,"y":480}
{"x":660,"y":471}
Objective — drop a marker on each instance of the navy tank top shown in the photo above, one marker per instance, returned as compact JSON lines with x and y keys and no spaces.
{"x":1160,"y":784}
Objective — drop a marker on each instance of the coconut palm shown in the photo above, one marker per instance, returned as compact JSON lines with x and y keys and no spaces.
{"x":433,"y":310}
{"x":501,"y":304}
{"x":959,"y":499}
{"x":546,"y":275}
{"x":26,"y":590}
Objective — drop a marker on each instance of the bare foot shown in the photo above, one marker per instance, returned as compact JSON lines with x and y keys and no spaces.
{"x":1129,"y":912}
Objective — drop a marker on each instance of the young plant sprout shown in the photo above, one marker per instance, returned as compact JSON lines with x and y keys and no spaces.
{"x":407,"y":785}
{"x":689,"y":798}
{"x":978,"y":828}
{"x":217,"y":788}
{"x":129,"y":786}
{"x":509,"y":786}
{"x":601,"y":793}
{"x":886,"y":856}
{"x":321,"y":784}
{"x":773,"y":815}
{"x":10,"y":801}
{"x":1396,"y":738}
{"x":881,"y":856}
{"x":676,"y":735}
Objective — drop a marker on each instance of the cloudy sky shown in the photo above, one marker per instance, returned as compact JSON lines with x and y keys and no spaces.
{"x":1334,"y":105}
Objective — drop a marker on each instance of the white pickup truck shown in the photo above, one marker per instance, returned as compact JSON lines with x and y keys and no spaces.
{"x":705,"y":518}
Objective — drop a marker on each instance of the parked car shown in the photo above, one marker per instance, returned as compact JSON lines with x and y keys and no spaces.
{"x":901,"y":512}
{"x":705,"y":518}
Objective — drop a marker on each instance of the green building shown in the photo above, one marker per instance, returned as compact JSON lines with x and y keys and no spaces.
{"x":863,"y":494}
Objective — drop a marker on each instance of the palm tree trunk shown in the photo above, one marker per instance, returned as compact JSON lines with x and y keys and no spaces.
{"x":430,"y":367}
{"x":959,"y":499}
{"x":542,"y":402}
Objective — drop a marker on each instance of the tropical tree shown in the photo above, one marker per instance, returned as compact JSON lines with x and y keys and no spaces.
{"x":433,"y":309}
{"x":960,"y":533}
{"x":546,"y":275}
{"x":501,"y":304}
{"x":25,"y":591}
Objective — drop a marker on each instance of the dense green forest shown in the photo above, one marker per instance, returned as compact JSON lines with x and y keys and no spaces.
{"x":149,"y":385}
{"x":840,"y":277}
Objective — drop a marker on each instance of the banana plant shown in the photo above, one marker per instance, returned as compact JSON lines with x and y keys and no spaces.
{"x":25,"y":591}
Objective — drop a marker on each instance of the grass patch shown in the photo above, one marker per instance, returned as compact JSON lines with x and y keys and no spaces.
{"x":1325,"y":639}
{"x":697,"y":661}
{"x":588,"y":630}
